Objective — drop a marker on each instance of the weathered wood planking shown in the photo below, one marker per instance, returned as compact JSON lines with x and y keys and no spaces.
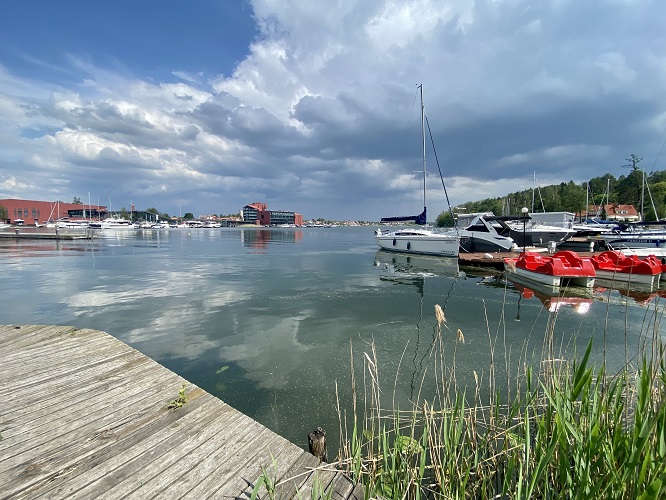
{"x":86,"y":416}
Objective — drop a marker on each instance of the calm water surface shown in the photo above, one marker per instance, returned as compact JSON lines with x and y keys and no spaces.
{"x":265,"y":318}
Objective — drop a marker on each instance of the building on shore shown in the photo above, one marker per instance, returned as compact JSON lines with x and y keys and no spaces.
{"x":621,"y":213}
{"x":258,"y":214}
{"x":33,"y":212}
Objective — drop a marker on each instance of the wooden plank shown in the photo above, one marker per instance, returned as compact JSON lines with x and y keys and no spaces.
{"x":271,"y":453}
{"x":224,"y":451}
{"x":46,"y":351}
{"x":110,"y":415}
{"x":293,"y":479}
{"x":55,"y":407}
{"x":89,"y":363}
{"x":88,"y":418}
{"x":126,"y":458}
{"x":44,"y":333}
{"x":10,"y":332}
{"x":59,"y":386}
{"x":170,"y":458}
{"x":54,"y":396}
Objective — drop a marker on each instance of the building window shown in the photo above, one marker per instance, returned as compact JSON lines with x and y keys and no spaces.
{"x":34,"y":212}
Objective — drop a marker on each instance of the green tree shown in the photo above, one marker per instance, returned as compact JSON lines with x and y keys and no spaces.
{"x":76,"y":200}
{"x":445,"y":220}
{"x":188,"y":216}
{"x":599,"y":186}
{"x":153,"y":211}
{"x":572,"y":197}
{"x":3,"y":214}
{"x":629,"y":188}
{"x":124,"y":214}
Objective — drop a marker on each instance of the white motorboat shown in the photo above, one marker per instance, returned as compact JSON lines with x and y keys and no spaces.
{"x":543,"y":227}
{"x":485,"y":232}
{"x":420,"y":240}
{"x":637,"y":235}
{"x":112,"y":223}
{"x":68,"y":223}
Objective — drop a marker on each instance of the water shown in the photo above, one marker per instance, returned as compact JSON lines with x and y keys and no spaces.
{"x":265,"y":318}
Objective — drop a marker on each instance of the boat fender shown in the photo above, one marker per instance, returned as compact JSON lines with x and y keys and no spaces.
{"x":487,"y":256}
{"x":393,"y":241}
{"x":409,"y":245}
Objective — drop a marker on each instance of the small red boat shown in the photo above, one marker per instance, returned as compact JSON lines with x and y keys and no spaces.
{"x":615,"y":266}
{"x":560,"y":269}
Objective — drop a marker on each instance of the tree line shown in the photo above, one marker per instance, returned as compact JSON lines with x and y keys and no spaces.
{"x":637,"y":188}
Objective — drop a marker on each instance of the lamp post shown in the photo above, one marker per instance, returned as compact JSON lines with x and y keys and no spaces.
{"x":524,"y":211}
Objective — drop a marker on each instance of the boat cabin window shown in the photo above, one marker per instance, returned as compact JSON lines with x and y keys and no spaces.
{"x":479,"y":228}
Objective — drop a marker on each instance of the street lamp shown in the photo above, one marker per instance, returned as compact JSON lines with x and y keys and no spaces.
{"x":524,"y":211}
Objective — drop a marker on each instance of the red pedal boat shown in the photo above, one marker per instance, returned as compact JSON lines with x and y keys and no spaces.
{"x":565,"y":268}
{"x":615,"y":266}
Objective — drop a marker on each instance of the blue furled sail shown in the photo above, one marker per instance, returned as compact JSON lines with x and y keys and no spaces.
{"x":418,"y":219}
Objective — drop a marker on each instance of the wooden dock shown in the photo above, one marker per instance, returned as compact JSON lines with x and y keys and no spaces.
{"x":18,"y":235}
{"x":84,"y":415}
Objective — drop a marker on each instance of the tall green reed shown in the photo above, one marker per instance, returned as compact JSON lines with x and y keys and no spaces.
{"x":560,"y":429}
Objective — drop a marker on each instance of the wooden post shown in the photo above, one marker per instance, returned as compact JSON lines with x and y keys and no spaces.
{"x":317,"y":443}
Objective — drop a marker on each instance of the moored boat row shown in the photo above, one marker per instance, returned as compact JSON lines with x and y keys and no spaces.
{"x":568,"y":268}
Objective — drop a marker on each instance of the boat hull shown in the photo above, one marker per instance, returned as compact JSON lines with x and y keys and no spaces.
{"x":549,"y":280}
{"x":643,"y":279}
{"x":485,"y":242}
{"x":564,"y":268}
{"x":421,"y":244}
{"x":615,"y":266}
{"x":636,"y":240}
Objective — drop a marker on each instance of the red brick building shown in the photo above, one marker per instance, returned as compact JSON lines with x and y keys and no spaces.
{"x":29,"y":212}
{"x":258,"y":213}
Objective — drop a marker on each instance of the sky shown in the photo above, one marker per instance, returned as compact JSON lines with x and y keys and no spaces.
{"x":204,"y":106}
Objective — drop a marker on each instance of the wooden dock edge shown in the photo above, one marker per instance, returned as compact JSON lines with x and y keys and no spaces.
{"x":86,"y":416}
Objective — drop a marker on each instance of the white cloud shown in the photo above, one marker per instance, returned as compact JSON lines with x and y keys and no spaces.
{"x":315,"y":116}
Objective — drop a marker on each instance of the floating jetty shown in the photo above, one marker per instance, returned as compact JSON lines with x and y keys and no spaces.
{"x":18,"y":234}
{"x":86,"y":416}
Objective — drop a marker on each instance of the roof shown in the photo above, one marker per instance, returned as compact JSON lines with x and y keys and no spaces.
{"x":620,"y":210}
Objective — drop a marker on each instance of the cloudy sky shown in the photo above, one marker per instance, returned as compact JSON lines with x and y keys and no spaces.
{"x":204,"y":106}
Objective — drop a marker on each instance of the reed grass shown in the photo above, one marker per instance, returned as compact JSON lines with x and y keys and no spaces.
{"x":559,"y":429}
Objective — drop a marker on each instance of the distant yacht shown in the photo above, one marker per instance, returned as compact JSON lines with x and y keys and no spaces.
{"x":112,"y":223}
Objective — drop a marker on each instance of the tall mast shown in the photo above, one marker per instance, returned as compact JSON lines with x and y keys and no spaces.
{"x":533,"y":188}
{"x":587,"y":201}
{"x":424,"y":147}
{"x":643,"y":197}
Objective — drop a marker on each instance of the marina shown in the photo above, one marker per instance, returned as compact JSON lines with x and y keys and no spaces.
{"x":273,"y":320}
{"x":90,"y":417}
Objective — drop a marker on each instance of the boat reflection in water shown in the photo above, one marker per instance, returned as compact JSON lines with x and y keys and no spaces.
{"x":640,"y":294}
{"x":411,"y":269}
{"x":580,"y":300}
{"x":553,"y":298}
{"x":397,"y":265}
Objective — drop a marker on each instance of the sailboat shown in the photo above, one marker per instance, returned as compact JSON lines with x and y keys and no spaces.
{"x":418,"y":240}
